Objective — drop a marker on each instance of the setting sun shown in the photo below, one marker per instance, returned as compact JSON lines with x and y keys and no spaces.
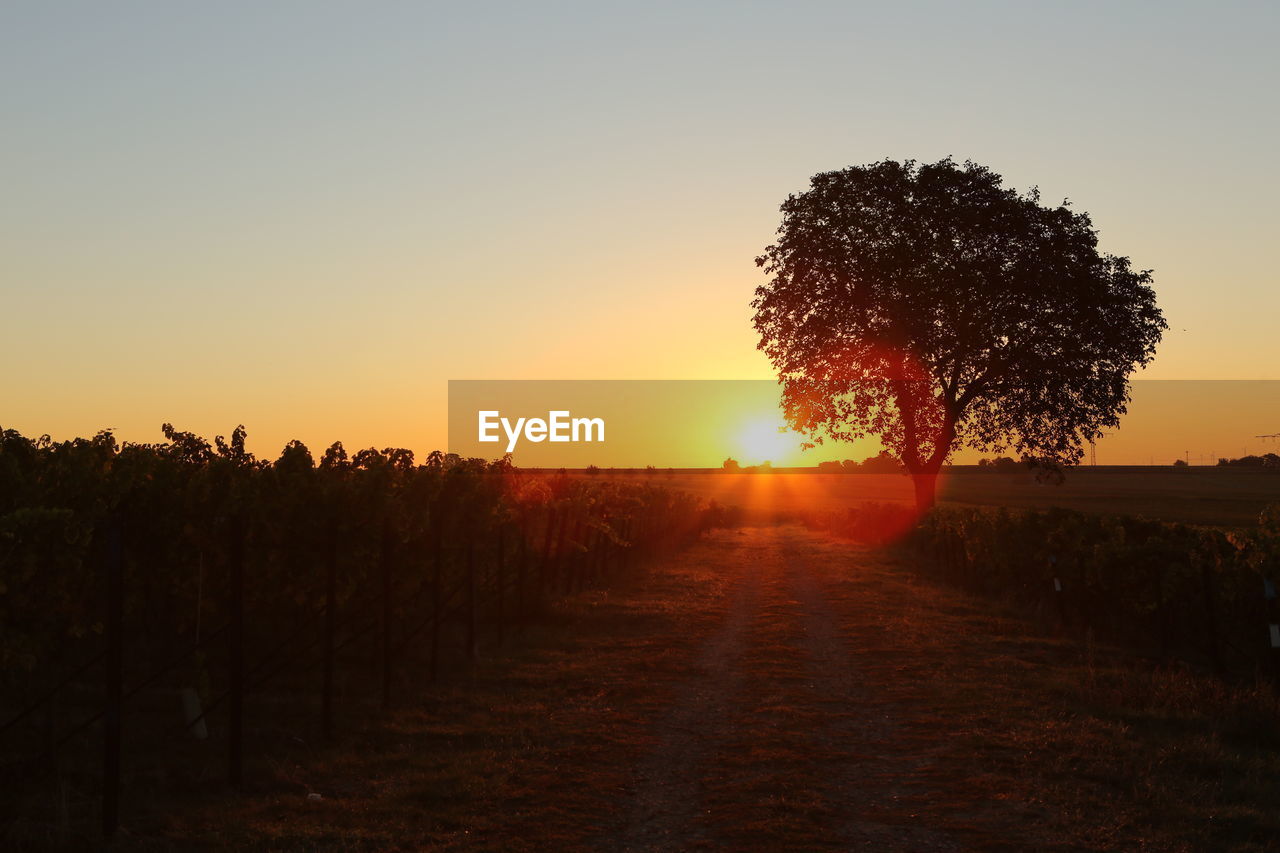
{"x":767,"y":439}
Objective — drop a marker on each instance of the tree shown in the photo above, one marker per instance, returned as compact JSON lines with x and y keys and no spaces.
{"x":882,"y":463}
{"x":932,"y":307}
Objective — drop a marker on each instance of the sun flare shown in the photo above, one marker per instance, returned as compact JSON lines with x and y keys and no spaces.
{"x":767,"y":439}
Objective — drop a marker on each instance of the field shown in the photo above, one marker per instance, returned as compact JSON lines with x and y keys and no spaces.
{"x":1208,"y":495}
{"x":462,"y":656}
{"x":770,"y":689}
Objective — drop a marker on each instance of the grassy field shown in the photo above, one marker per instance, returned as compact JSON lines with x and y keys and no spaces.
{"x":1208,"y":495}
{"x":767,"y":689}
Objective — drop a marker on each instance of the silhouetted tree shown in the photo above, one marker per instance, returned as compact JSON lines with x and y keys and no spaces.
{"x":932,"y":307}
{"x":731,"y":464}
{"x":1002,"y":465}
{"x":882,"y":463}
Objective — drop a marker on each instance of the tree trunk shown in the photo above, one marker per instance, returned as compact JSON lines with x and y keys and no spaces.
{"x":926,"y":484}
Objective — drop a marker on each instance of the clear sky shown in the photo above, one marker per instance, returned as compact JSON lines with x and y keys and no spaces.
{"x":306,"y":217}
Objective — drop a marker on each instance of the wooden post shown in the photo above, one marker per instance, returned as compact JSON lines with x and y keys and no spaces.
{"x":437,"y":592}
{"x":1211,"y":613}
{"x":574,"y":559}
{"x":592,"y":557}
{"x":1162,"y":613}
{"x":330,"y":626}
{"x":386,"y":558}
{"x":114,"y":669}
{"x":957,"y":558}
{"x":1271,"y":605}
{"x":558,"y":566}
{"x":522,"y":562}
{"x":610,"y":553}
{"x":628,"y":556}
{"x":589,"y":573}
{"x":235,"y":648}
{"x":472,"y":650}
{"x":605,"y":545}
{"x":544,"y":573}
{"x":500,"y":572}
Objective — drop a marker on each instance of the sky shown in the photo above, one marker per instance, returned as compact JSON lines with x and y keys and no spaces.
{"x":308,"y":217}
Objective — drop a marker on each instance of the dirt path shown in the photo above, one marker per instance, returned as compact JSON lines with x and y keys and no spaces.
{"x":665,"y":801}
{"x":857,"y":735}
{"x":771,"y":689}
{"x":777,"y":740}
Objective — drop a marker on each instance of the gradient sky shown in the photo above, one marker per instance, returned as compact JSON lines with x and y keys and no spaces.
{"x":306,"y":217}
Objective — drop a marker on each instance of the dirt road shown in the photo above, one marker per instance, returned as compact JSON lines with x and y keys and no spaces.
{"x":777,"y":740}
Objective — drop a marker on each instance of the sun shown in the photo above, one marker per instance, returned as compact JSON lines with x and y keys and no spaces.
{"x":766,"y":439}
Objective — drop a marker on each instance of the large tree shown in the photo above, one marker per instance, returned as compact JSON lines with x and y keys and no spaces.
{"x":934,"y":308}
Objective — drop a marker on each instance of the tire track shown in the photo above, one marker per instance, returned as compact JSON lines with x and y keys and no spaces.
{"x":665,"y":807}
{"x":856,"y":740}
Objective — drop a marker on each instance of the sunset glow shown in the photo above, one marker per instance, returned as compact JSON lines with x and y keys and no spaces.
{"x":767,"y":439}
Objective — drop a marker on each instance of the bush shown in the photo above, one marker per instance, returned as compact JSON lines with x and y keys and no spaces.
{"x":1172,"y":588}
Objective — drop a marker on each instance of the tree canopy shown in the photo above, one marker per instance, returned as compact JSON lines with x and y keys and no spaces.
{"x":931,"y":306}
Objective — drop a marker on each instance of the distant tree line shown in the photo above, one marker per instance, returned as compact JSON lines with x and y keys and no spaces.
{"x":732,"y":466}
{"x":1267,"y":460}
{"x":886,"y":463}
{"x":883,"y":462}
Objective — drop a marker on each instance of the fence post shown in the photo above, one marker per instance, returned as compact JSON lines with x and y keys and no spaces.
{"x":437,"y":605}
{"x":1162,"y":613}
{"x":114,"y":659}
{"x":592,"y":557}
{"x":629,"y":547}
{"x":330,"y":604}
{"x":1210,"y":612}
{"x":1057,"y":590}
{"x":521,"y":564}
{"x":605,"y":544}
{"x":386,"y":557}
{"x":573,"y":564}
{"x":500,"y":570}
{"x":556,"y":550}
{"x":544,"y":571}
{"x":1271,"y":605}
{"x":235,"y":648}
{"x":471,"y":597}
{"x":560,"y":571}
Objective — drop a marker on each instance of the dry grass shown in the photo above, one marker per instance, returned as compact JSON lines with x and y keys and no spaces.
{"x":770,"y":689}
